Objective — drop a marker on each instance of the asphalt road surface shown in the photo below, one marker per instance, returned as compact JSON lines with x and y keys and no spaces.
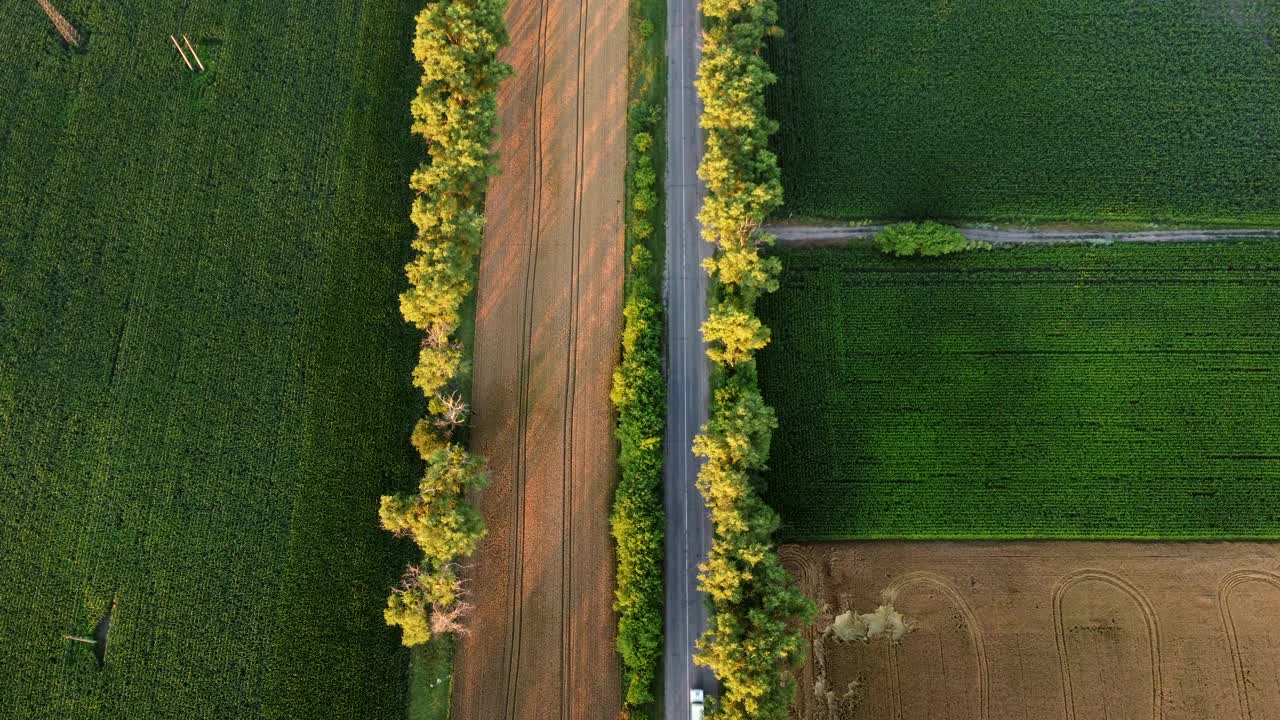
{"x":688,"y":535}
{"x":799,"y":235}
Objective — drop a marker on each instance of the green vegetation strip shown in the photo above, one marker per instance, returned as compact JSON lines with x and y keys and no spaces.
{"x":1124,"y":391}
{"x":203,"y":376}
{"x":1018,"y":110}
{"x":639,"y":390}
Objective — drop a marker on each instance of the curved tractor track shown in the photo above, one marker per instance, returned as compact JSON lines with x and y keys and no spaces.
{"x":548,"y":319}
{"x":1071,"y":629}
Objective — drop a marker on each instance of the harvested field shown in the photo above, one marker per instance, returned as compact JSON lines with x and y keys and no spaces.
{"x":1074,"y":630}
{"x":547,"y":326}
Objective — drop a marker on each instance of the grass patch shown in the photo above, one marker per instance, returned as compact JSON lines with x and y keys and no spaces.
{"x":1029,"y":111}
{"x":1124,"y":391}
{"x":204,"y":378}
{"x":647,"y":97}
{"x":431,"y":682}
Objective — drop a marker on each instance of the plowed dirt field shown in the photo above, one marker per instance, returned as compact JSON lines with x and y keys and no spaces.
{"x":1070,"y":630}
{"x":547,"y":327}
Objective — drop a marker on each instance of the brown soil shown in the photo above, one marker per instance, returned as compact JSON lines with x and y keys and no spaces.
{"x":1041,"y":630}
{"x":547,"y":328}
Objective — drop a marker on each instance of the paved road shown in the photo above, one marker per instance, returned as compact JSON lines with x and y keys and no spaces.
{"x":788,"y":234}
{"x":688,"y":535}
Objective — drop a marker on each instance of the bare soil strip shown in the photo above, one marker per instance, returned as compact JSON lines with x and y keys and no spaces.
{"x":547,"y":325}
{"x":1072,"y":630}
{"x":826,"y":235}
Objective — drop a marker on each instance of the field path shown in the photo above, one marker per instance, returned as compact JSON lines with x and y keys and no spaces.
{"x":820,"y":235}
{"x":548,"y":319}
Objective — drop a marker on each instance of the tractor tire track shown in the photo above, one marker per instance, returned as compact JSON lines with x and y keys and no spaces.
{"x":543,"y":367}
{"x":1225,"y":587}
{"x":520,"y":448}
{"x":1145,"y":609}
{"x":571,"y":376}
{"x":520,"y":463}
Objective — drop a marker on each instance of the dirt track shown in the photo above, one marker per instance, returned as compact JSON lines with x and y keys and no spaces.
{"x":547,"y":327}
{"x":1055,"y":630}
{"x":793,"y":235}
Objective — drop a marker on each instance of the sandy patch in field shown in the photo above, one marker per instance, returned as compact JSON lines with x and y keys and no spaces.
{"x":547,"y":330}
{"x":1044,"y":630}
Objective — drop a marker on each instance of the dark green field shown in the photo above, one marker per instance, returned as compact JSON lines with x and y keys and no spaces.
{"x":1125,"y":391}
{"x":204,"y":378}
{"x":1030,"y":110}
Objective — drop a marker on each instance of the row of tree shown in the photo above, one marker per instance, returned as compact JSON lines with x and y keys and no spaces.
{"x":455,"y":112}
{"x":753,"y":640}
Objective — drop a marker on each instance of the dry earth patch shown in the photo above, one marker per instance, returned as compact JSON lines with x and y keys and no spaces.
{"x":548,"y":319}
{"x":1073,"y":630}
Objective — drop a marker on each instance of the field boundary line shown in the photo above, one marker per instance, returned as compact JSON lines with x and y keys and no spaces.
{"x":825,"y":235}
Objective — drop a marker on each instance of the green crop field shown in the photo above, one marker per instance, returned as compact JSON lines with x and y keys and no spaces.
{"x":1130,"y":391}
{"x":204,"y":377}
{"x":1030,"y":110}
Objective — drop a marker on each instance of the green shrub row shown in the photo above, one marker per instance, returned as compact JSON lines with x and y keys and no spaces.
{"x":455,"y":111}
{"x":753,"y":640}
{"x":639,"y":388}
{"x":639,"y":395}
{"x":927,"y":239}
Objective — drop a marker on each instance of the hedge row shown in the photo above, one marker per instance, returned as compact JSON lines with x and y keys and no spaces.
{"x":639,"y":388}
{"x":640,"y":396}
{"x":455,"y":111}
{"x":753,"y":641}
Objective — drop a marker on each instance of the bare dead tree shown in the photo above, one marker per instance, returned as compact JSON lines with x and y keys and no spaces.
{"x":64,"y":27}
{"x":452,"y":619}
{"x":412,"y":578}
{"x":453,"y":411}
{"x":436,"y":337}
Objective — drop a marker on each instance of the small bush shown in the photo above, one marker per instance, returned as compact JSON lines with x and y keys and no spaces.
{"x":642,"y":142}
{"x":928,"y":239}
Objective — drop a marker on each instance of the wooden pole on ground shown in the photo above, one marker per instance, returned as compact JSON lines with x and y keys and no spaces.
{"x":64,"y":28}
{"x":80,"y":639}
{"x":184,"y":55}
{"x":193,"y":52}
